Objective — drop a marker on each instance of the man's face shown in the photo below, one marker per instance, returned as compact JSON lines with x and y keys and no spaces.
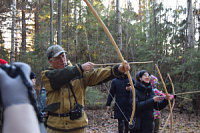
{"x":59,"y":62}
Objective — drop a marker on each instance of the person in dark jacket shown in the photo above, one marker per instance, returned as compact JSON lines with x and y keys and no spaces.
{"x":123,"y":102}
{"x":146,"y":101}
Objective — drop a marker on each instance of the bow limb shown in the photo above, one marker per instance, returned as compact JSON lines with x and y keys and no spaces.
{"x":170,"y":106}
{"x":173,"y":99}
{"x":118,"y":52}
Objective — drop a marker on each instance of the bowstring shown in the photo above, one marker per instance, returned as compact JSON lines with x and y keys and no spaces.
{"x":116,"y":103}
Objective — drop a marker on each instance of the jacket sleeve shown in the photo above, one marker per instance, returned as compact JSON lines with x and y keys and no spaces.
{"x":161,"y":105}
{"x":60,"y":77}
{"x":100,"y":75}
{"x":142,"y":105}
{"x":111,"y":93}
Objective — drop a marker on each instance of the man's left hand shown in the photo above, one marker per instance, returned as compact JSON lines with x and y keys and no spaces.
{"x":123,"y":68}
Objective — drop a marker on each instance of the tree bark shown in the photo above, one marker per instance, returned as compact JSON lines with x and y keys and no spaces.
{"x":199,"y":32}
{"x":36,"y":23}
{"x":51,"y":22}
{"x":119,"y":26}
{"x":190,"y":22}
{"x":23,"y":50}
{"x":59,"y":32}
{"x":140,"y":11}
{"x":76,"y":31}
{"x":13,"y":32}
{"x":67,"y":25}
{"x":155,"y":27}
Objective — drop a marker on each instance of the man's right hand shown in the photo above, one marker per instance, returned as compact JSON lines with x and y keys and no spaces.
{"x":88,"y":66}
{"x":13,"y":91}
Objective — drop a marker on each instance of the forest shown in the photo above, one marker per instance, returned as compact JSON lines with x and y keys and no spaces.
{"x":166,"y":37}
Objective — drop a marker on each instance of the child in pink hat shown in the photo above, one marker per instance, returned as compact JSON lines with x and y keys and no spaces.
{"x":157,"y":115}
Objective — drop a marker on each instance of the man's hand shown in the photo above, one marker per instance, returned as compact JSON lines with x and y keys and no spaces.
{"x":13,"y":91}
{"x":88,"y":66}
{"x":123,"y":69}
{"x":128,"y":87}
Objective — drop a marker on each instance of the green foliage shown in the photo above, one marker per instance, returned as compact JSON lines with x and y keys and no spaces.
{"x":4,"y":54}
{"x":95,"y":98}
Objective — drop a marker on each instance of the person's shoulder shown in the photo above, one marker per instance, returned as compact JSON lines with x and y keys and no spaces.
{"x":50,"y":68}
{"x":45,"y":72}
{"x":116,"y":79}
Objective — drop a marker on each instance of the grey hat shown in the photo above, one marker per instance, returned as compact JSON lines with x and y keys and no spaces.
{"x":54,"y":51}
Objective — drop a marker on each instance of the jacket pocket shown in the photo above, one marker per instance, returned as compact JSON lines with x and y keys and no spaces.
{"x":52,"y":107}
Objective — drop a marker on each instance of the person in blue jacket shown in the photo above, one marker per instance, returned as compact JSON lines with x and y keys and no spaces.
{"x":123,"y":102}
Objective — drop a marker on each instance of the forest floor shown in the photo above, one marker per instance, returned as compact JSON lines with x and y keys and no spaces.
{"x":101,"y":122}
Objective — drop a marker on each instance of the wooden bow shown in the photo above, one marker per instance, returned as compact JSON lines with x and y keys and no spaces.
{"x":170,"y":106}
{"x":118,"y":52}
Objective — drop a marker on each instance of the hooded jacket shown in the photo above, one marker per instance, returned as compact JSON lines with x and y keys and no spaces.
{"x":145,"y":105}
{"x":123,"y":98}
{"x":59,"y":95}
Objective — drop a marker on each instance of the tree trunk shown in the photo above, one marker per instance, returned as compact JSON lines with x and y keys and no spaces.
{"x":155,"y":27}
{"x":23,"y":50}
{"x":67,"y":25}
{"x":119,"y":26}
{"x":190,"y":22}
{"x":88,"y":46}
{"x":16,"y":50}
{"x":36,"y":18}
{"x":13,"y":32}
{"x":51,"y":22}
{"x":16,"y":40}
{"x":127,"y":33}
{"x":199,"y":32}
{"x":76,"y":31}
{"x":59,"y":32}
{"x":36,"y":23}
{"x":140,"y":11}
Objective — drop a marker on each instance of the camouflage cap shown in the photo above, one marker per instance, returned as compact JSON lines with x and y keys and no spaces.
{"x":54,"y":51}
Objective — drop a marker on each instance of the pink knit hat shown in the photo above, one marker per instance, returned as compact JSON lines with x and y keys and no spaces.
{"x":154,"y":81}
